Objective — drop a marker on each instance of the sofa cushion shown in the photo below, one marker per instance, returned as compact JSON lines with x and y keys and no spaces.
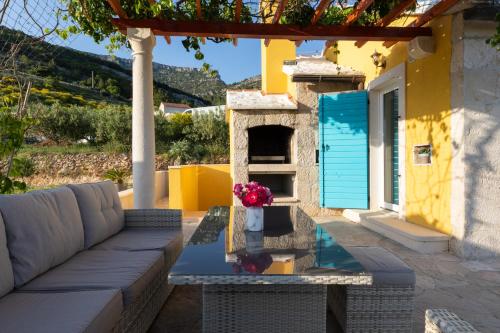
{"x":387,"y":269}
{"x":6,"y":274}
{"x":145,"y":239}
{"x":43,"y":229}
{"x":73,"y":312}
{"x":101,"y":210}
{"x":131,"y":272}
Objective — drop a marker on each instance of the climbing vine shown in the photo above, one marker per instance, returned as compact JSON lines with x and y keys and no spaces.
{"x":93,"y":17}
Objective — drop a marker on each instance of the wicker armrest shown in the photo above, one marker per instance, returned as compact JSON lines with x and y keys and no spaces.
{"x":155,"y":218}
{"x":444,"y":321}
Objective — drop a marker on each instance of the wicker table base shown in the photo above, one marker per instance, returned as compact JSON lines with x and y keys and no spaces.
{"x":264,"y":308}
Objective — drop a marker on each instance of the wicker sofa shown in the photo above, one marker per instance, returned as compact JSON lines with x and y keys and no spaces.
{"x":72,"y":260}
{"x":444,"y":321}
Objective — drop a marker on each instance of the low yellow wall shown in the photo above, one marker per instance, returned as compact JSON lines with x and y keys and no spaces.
{"x":161,"y":190}
{"x":428,"y":111}
{"x":199,"y":187}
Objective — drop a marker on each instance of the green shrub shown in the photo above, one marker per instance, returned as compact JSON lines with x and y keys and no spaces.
{"x":62,"y":123}
{"x":22,"y":167}
{"x":113,"y":123}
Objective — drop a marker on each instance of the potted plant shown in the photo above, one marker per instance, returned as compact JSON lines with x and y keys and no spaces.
{"x":118,"y":177}
{"x":423,"y":155}
{"x":254,"y":196}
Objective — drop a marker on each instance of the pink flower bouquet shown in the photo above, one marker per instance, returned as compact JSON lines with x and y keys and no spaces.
{"x":253,"y":194}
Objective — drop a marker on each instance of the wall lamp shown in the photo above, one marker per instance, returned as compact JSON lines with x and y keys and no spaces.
{"x":378,"y":59}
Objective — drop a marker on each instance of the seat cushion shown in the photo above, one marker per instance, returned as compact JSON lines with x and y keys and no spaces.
{"x":145,"y":239}
{"x":6,"y":274}
{"x":43,"y":229}
{"x":387,"y":269}
{"x":73,"y":312}
{"x":101,"y":210}
{"x":131,"y":272}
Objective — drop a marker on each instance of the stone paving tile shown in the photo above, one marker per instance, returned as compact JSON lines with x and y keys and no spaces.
{"x":471,"y":289}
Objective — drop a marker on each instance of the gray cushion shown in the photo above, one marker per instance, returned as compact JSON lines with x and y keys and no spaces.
{"x":131,"y":272}
{"x":387,"y":269}
{"x":6,"y":274}
{"x":101,"y":210}
{"x":146,"y":239}
{"x":74,"y":312}
{"x":43,"y":228}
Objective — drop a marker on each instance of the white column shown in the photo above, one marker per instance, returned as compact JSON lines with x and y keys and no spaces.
{"x":142,"y":42}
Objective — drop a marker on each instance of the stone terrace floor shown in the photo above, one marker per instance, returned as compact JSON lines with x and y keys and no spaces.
{"x":471,"y":289}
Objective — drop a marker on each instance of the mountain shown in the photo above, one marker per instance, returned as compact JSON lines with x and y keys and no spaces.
{"x":254,"y":82}
{"x":62,"y":71}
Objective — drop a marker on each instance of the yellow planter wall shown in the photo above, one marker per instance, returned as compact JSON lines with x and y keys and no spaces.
{"x":428,"y":111}
{"x":199,"y":187}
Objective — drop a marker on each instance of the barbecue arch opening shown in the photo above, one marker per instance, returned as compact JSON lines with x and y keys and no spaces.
{"x":270,"y":144}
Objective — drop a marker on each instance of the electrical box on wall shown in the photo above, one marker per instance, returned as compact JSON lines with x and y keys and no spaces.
{"x":421,"y":47}
{"x":422,"y":154}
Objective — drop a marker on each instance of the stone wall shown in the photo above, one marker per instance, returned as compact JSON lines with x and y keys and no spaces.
{"x":56,"y":169}
{"x":476,"y":140}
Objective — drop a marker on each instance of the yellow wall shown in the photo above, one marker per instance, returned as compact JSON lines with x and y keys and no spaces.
{"x":428,"y":110}
{"x":274,"y":81}
{"x":199,"y":187}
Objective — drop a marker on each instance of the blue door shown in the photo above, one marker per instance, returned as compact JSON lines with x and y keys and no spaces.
{"x":343,"y":156}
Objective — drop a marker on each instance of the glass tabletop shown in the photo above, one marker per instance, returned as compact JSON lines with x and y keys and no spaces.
{"x":290,"y":244}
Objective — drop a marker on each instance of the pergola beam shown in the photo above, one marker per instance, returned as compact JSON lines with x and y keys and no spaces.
{"x":276,"y":18}
{"x":320,"y":9}
{"x":273,"y":31}
{"x":199,"y":16}
{"x":391,"y":16}
{"x":237,"y":17}
{"x":436,"y":10}
{"x":356,"y":13}
{"x":167,"y":38}
{"x":117,"y":8}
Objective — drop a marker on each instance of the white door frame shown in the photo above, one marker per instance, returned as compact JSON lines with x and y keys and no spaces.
{"x":392,"y":79}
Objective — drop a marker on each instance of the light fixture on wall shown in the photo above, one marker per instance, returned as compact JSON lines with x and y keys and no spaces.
{"x":378,"y":59}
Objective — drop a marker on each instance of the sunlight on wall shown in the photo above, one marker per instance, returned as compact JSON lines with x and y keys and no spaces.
{"x":428,"y":111}
{"x":199,"y":187}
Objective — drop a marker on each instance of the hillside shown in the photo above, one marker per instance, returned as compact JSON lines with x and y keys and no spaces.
{"x":254,"y":82}
{"x":61,"y":73}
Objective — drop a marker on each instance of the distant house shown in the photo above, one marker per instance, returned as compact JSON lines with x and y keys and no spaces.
{"x":206,"y":109}
{"x":168,"y":108}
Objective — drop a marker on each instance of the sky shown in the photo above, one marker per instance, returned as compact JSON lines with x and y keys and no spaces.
{"x":233,"y":63}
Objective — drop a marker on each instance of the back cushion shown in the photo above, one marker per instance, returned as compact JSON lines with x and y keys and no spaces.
{"x":101,"y":210}
{"x":6,"y":274}
{"x":43,"y":229}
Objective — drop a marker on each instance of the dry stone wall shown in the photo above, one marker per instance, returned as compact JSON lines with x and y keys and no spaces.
{"x":57,"y":169}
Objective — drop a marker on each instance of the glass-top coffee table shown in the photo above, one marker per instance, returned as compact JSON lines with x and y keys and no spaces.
{"x":270,"y":281}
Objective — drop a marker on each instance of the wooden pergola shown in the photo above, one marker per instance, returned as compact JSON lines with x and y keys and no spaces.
{"x":348,"y":30}
{"x":141,"y":35}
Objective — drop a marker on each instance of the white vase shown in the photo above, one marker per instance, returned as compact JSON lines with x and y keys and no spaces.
{"x":254,"y":242}
{"x":255,"y":219}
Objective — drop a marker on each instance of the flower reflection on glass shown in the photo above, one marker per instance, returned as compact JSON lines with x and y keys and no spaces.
{"x":252,"y":263}
{"x":253,"y":194}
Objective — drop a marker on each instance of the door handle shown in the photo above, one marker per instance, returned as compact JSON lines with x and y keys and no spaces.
{"x":327,"y":147}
